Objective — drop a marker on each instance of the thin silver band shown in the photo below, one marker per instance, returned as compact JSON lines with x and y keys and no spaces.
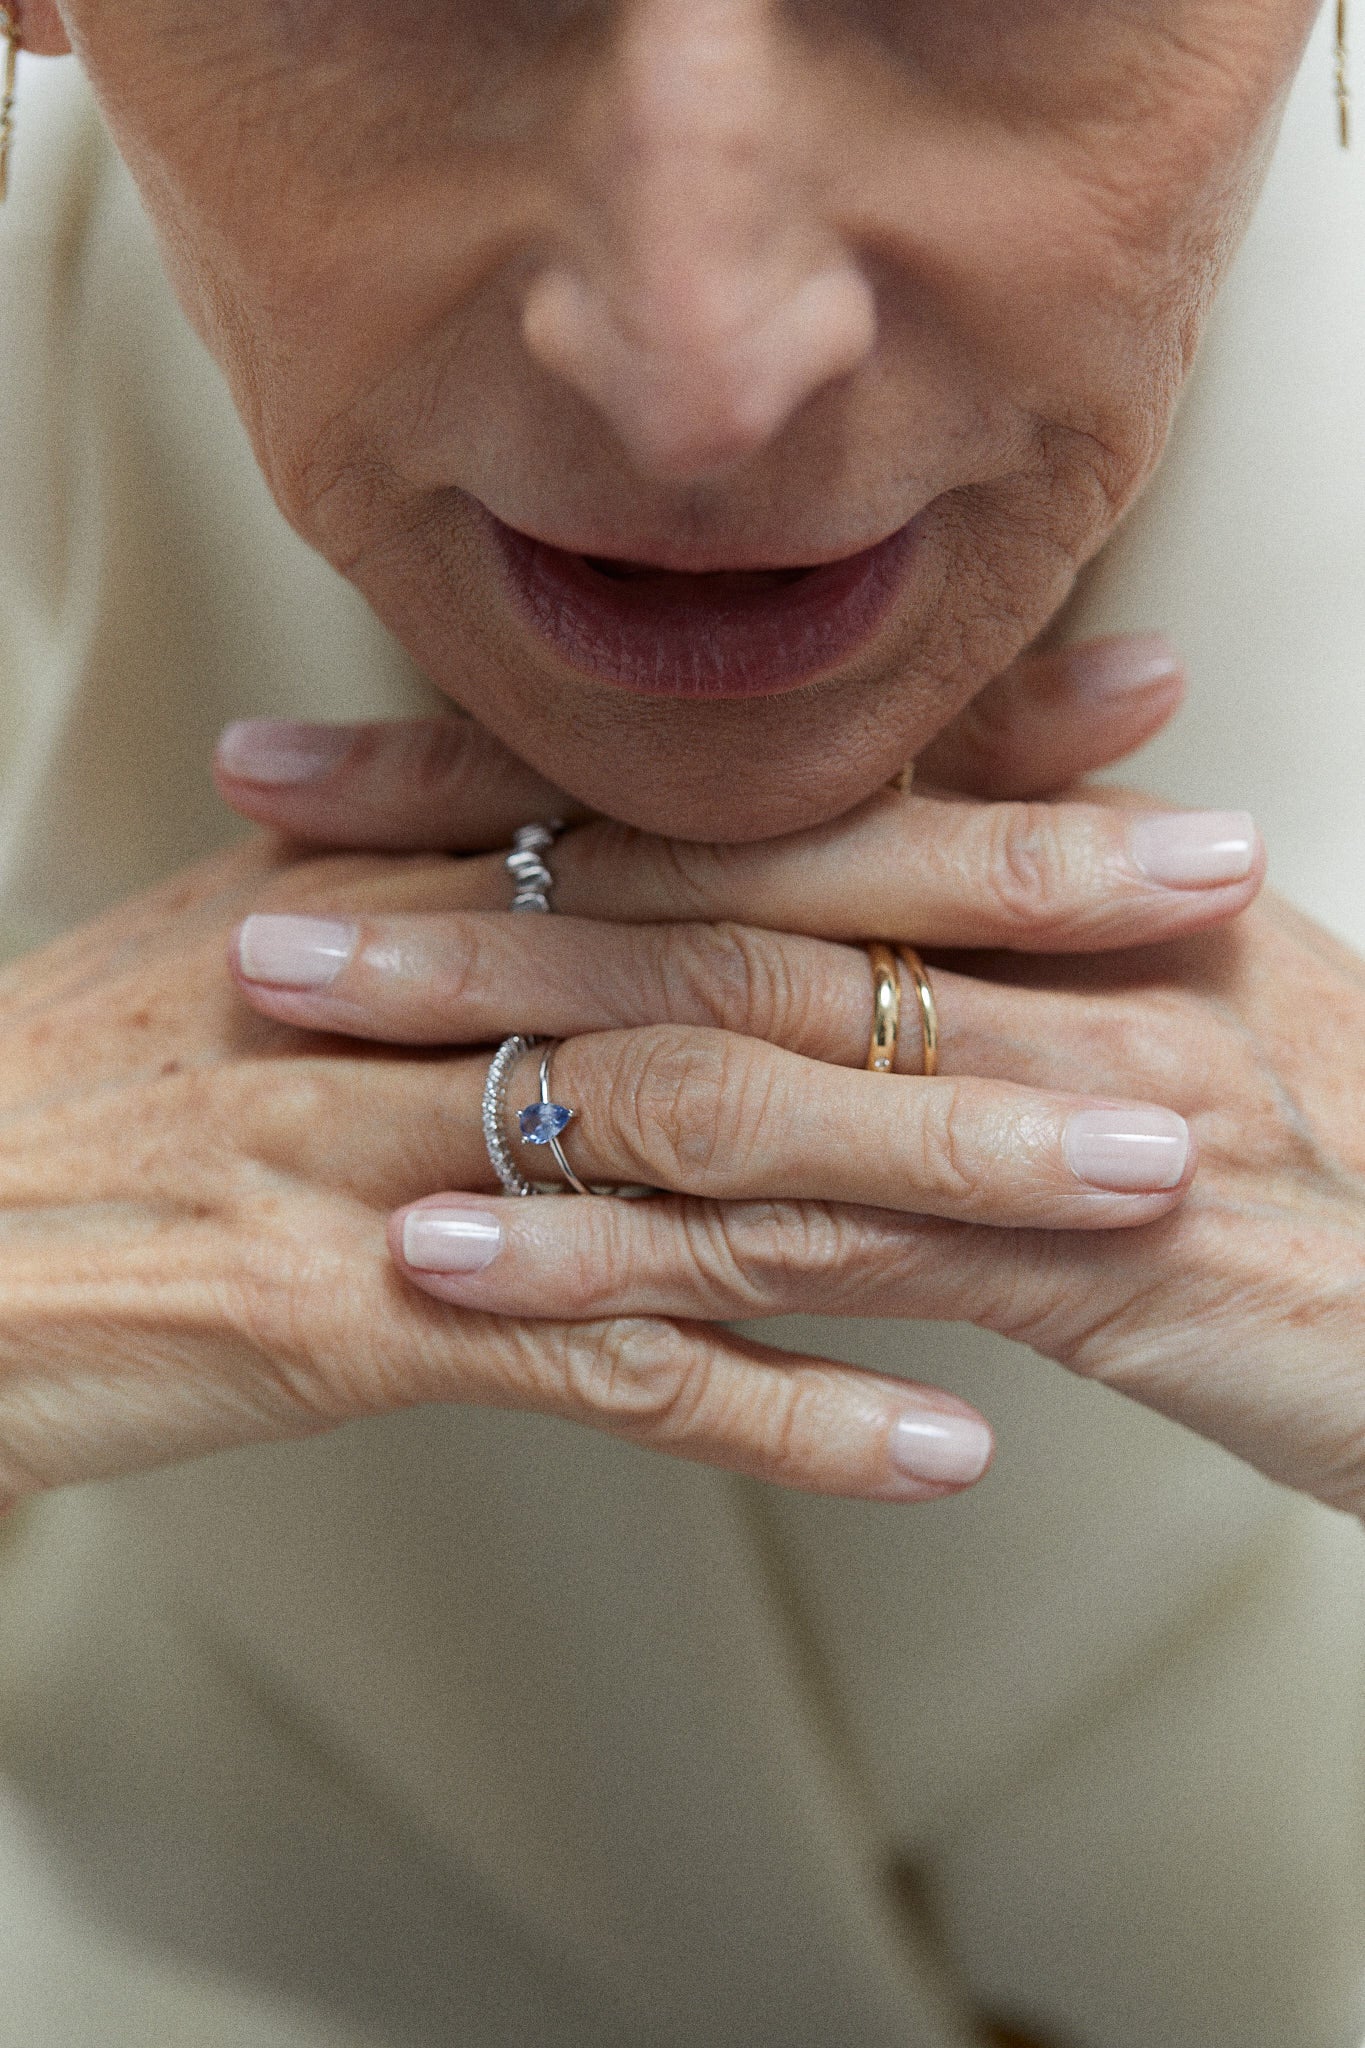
{"x":556,"y":1149}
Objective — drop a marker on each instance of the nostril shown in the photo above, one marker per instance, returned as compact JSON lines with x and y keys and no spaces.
{"x":686,"y":401}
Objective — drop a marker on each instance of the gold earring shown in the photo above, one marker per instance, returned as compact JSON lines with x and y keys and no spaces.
{"x":9,"y":26}
{"x":1343,"y":90}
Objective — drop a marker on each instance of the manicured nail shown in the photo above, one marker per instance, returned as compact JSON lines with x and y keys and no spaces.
{"x":451,"y":1240}
{"x":279,"y":751}
{"x":1124,"y":663}
{"x":1194,"y":849}
{"x":1127,"y":1151}
{"x":294,"y":952}
{"x":950,"y":1450}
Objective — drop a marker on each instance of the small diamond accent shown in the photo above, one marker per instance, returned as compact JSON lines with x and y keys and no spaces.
{"x":540,"y":1123}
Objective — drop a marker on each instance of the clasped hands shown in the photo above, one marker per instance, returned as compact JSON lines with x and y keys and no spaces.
{"x":1144,"y":1154}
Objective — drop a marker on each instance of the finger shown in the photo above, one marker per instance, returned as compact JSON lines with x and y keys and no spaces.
{"x":409,"y":786}
{"x":708,"y":1113}
{"x":719,"y":1399}
{"x":469,"y":980}
{"x":312,"y":1328}
{"x":689,"y":1391}
{"x":1057,"y":716}
{"x":1030,"y":877}
{"x":714,"y":1261}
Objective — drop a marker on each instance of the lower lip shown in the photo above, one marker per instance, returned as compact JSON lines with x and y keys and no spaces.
{"x":666,"y":635}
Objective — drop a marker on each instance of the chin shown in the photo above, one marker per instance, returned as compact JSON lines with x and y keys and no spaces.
{"x":723,"y":702}
{"x":711,"y":769}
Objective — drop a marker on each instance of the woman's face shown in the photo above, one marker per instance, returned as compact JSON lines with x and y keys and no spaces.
{"x":519,"y":298}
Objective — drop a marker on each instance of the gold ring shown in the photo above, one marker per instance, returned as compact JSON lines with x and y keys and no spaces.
{"x":928,"y":1008}
{"x":886,"y":1009}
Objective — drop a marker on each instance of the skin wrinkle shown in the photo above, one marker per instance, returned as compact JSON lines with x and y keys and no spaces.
{"x":1040,"y":201}
{"x":404,"y":181}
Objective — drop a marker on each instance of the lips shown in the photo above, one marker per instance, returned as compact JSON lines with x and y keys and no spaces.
{"x":725,"y":633}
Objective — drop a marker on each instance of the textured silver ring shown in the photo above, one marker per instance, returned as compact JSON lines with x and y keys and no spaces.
{"x":526,"y":865}
{"x":514,"y":1181}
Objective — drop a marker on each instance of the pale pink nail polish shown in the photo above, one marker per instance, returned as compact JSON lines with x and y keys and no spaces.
{"x":1194,"y":849}
{"x":294,"y":952}
{"x":1121,"y":665}
{"x":946,"y":1450}
{"x":280,"y":751}
{"x":451,"y":1240}
{"x":1130,"y":1151}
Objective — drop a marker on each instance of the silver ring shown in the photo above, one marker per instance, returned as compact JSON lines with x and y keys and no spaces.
{"x":514,"y":1181}
{"x":526,"y":865}
{"x":545,"y":1122}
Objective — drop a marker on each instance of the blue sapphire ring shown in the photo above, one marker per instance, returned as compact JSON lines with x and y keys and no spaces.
{"x":542,"y":1122}
{"x":545,"y":1122}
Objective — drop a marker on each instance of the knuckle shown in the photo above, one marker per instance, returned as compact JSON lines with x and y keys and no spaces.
{"x":737,"y":977}
{"x":594,"y":855}
{"x":470,"y":959}
{"x":640,"y":1373}
{"x":949,"y":1162}
{"x":603,"y":1264}
{"x":683,"y":1102}
{"x":694,"y":874}
{"x":1027,"y":869}
{"x":755,"y":1253}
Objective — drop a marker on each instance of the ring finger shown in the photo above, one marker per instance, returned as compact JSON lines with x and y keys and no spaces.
{"x":712,"y":1114}
{"x":469,"y":979}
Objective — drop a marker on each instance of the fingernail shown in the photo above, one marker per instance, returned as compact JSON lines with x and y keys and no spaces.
{"x":1194,"y":849}
{"x":294,"y":952}
{"x":278,"y":750}
{"x":451,"y":1240}
{"x":1125,"y":662}
{"x":951,"y":1450}
{"x":1127,"y":1151}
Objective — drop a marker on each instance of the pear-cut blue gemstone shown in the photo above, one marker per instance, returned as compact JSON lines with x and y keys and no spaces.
{"x":543,"y":1121}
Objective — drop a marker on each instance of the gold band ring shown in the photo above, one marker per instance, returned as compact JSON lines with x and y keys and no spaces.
{"x":928,"y":1008}
{"x":886,"y":1009}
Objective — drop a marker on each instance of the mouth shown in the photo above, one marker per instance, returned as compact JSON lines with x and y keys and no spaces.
{"x":749,"y":632}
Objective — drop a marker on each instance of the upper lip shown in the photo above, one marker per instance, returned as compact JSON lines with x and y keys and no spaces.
{"x":681,"y":557}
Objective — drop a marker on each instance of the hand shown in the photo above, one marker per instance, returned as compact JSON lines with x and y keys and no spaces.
{"x":194,"y":1209}
{"x":194,"y":1206}
{"x":748,"y":1128}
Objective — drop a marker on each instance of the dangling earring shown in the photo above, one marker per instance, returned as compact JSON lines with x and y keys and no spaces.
{"x":9,"y":27}
{"x":1343,"y":90}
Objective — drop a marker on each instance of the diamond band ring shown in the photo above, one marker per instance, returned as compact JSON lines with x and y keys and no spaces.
{"x":514,"y":1181}
{"x":542,"y":1122}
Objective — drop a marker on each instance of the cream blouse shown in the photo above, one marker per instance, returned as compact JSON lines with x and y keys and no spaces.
{"x":471,"y":1728}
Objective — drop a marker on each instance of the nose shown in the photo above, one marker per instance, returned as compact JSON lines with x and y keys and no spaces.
{"x":700,"y":294}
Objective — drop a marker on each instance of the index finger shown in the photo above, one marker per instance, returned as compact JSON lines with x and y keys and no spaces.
{"x":1029,"y":877}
